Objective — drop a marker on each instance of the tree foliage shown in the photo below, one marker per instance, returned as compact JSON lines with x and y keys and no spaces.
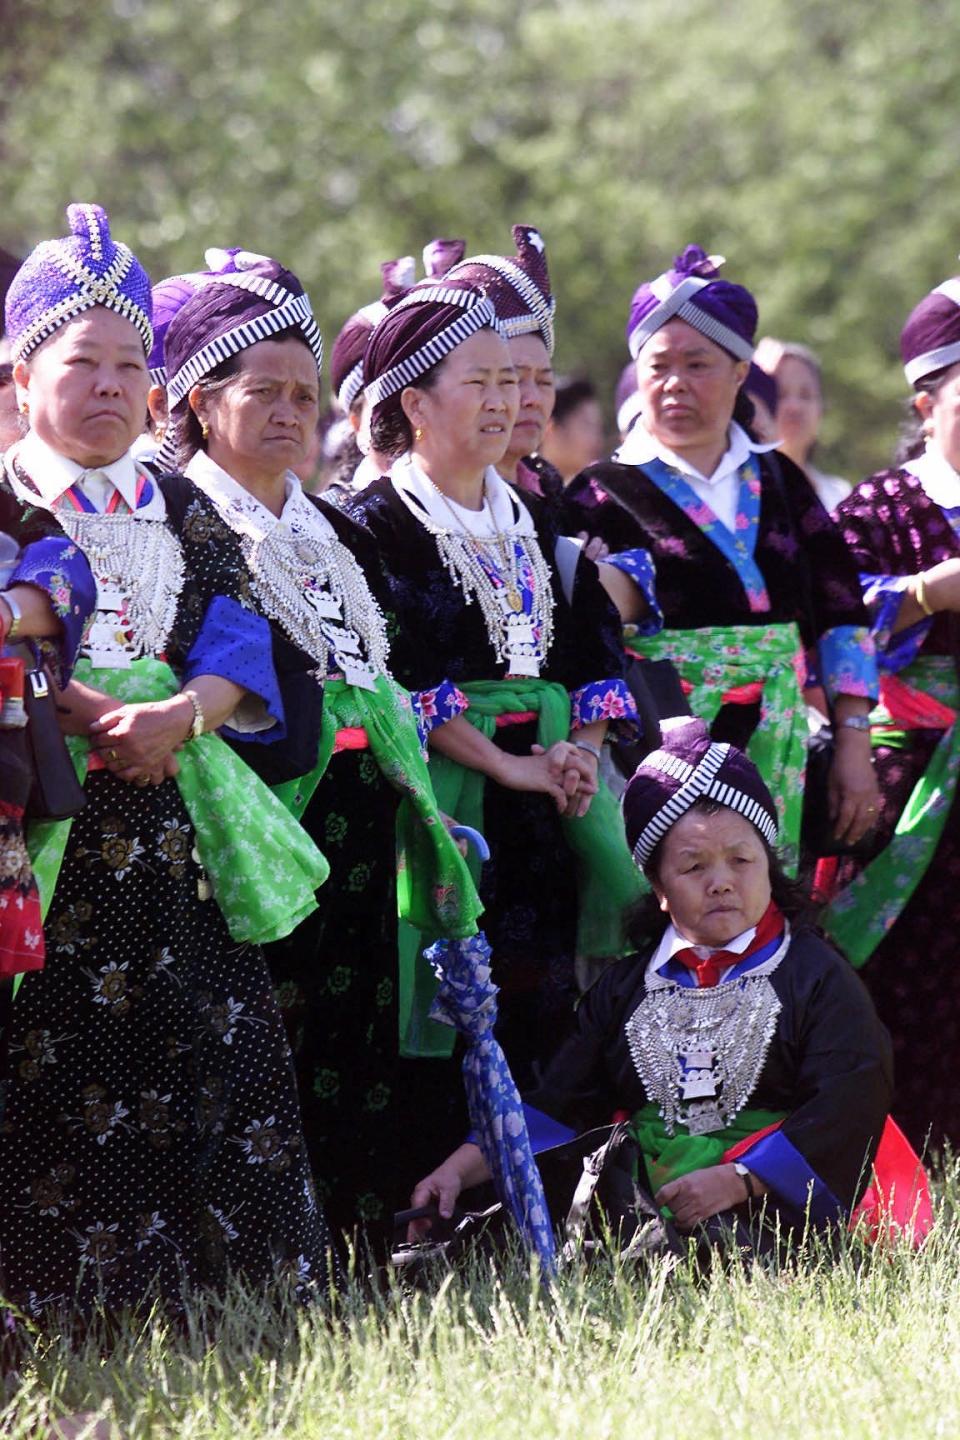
{"x":813,"y":144}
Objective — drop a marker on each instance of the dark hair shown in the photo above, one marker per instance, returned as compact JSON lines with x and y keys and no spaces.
{"x":571,"y":392}
{"x":912,"y":436}
{"x":183,"y":427}
{"x":644,"y":921}
{"x":6,"y":374}
{"x":390,"y":431}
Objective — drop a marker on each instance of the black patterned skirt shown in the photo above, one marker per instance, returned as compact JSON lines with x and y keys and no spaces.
{"x":149,"y":1127}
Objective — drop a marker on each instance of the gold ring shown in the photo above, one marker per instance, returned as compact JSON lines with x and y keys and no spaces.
{"x":142,"y":780}
{"x":113,"y":755}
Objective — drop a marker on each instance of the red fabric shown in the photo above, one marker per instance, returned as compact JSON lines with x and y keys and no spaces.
{"x":21,"y":928}
{"x":750,"y":694}
{"x":896,"y":1203}
{"x":742,"y":1146}
{"x":516,"y":717}
{"x":911,"y":709}
{"x":709,"y":970}
{"x":825,"y":879}
{"x":352,"y":737}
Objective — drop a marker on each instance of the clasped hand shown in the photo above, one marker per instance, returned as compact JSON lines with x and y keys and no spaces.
{"x":137,"y":742}
{"x":567,"y":774}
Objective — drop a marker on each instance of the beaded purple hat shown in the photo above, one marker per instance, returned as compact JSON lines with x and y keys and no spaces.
{"x":688,"y":767}
{"x":692,"y":291}
{"x":170,"y":296}
{"x":930,"y":340}
{"x":346,"y":356}
{"x":518,"y":285}
{"x":229,"y":314}
{"x":60,"y":279}
{"x":418,"y":332}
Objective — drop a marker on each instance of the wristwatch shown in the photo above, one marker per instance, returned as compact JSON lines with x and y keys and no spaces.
{"x":747,"y":1179}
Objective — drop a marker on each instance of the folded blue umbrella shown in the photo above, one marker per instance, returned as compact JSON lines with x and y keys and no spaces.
{"x":467,"y":1000}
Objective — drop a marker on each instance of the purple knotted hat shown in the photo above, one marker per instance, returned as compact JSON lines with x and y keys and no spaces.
{"x":229,"y":314}
{"x":421,"y":329}
{"x":692,"y":291}
{"x":518,"y":285}
{"x":61,"y":279}
{"x":170,"y":296}
{"x":688,"y":767}
{"x":930,"y":340}
{"x":346,"y":356}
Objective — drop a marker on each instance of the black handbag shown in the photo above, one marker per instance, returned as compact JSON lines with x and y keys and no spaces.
{"x":56,"y":793}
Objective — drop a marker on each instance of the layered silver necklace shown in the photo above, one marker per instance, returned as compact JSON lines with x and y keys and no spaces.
{"x":495,"y":570}
{"x":699,"y":1052}
{"x":305,"y":579}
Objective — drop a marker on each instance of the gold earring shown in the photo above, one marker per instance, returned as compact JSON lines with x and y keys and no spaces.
{"x":418,"y":433}
{"x":25,"y":408}
{"x":204,"y":429}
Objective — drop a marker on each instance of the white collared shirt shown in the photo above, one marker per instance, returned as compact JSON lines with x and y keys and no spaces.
{"x":672,"y":941}
{"x":937,"y":476}
{"x":721,"y":490}
{"x":53,"y":474}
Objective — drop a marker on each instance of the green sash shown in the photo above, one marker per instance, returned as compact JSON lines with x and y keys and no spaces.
{"x":435,"y":890}
{"x":720,"y":659}
{"x":608,"y":881}
{"x":670,"y":1156}
{"x":863,"y":913}
{"x":263,"y":869}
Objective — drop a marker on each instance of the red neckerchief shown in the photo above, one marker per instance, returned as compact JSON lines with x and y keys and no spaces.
{"x":708,"y":971}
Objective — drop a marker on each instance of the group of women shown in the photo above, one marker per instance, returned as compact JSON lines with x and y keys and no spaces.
{"x":280,"y":708}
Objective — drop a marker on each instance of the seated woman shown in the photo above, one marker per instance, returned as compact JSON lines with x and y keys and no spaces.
{"x":745,"y":1049}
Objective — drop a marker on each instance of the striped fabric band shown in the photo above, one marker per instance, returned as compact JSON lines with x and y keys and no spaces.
{"x":931,"y":362}
{"x":541,"y":310}
{"x":292,"y":310}
{"x":478,"y":314}
{"x":351,"y":387}
{"x":93,"y":290}
{"x":697,"y":784}
{"x":678,"y":305}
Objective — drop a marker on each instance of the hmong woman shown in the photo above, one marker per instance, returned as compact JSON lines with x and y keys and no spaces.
{"x":745,"y":1051}
{"x":151,"y":1135}
{"x":747,"y":560}
{"x":902,"y":911}
{"x":243,"y":358}
{"x":517,"y":682}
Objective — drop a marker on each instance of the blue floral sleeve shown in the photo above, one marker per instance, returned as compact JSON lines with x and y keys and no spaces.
{"x":847,"y":662}
{"x":639,"y":566}
{"x":236,"y":644}
{"x":436,"y":706}
{"x":602,"y":700}
{"x":882,"y":595}
{"x":55,"y":565}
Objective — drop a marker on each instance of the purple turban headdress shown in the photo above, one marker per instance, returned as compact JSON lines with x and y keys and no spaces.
{"x":518,"y":285}
{"x":346,"y":357}
{"x":418,"y":332}
{"x":170,"y":296}
{"x":930,"y":340}
{"x":229,"y":314}
{"x":692,"y":291}
{"x":688,"y":767}
{"x":61,"y":279}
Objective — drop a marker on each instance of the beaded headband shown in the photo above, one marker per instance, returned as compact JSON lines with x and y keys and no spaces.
{"x":478,"y":314}
{"x":933,"y":360}
{"x":698,"y":782}
{"x":291,"y":311}
{"x":677,"y":303}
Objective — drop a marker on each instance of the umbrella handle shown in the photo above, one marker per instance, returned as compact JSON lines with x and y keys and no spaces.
{"x":474,"y":838}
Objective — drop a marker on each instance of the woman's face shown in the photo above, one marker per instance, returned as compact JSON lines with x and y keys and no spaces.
{"x":799,"y":404}
{"x":941,"y":415}
{"x":263,"y":422}
{"x":714,"y":878}
{"x":536,"y":393}
{"x":687,"y":387}
{"x":86,"y":388}
{"x":575,"y":442}
{"x":467,"y":417}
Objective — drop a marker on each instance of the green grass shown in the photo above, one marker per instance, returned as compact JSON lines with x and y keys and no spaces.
{"x":866,"y":1346}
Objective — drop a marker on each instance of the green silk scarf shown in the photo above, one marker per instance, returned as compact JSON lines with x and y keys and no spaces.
{"x":668,"y":1157}
{"x":862,"y":914}
{"x":435,"y":889}
{"x":727,"y":656}
{"x":263,"y":869}
{"x":608,"y":882}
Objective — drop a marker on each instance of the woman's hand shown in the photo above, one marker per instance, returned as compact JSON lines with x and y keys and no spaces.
{"x":695,"y":1197}
{"x":561,"y":772}
{"x":853,"y":792}
{"x":595,"y":549}
{"x":138,"y":739}
{"x":442,"y":1187}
